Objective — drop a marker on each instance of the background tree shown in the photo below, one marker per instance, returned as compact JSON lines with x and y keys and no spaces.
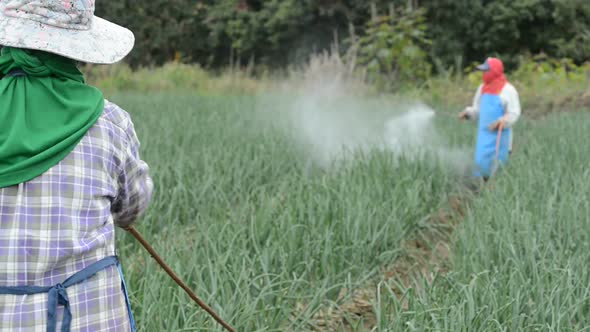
{"x":215,"y":33}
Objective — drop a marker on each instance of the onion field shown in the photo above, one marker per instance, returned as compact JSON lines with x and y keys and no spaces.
{"x":275,"y":242}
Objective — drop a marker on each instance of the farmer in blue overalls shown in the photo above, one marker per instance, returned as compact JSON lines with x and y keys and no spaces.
{"x":497,"y":105}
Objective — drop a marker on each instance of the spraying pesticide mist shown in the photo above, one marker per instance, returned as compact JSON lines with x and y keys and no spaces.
{"x":330,"y":119}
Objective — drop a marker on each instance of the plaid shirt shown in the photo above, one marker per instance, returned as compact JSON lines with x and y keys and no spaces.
{"x":59,"y":223}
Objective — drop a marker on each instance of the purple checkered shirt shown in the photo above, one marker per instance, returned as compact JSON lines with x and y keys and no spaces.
{"x":64,"y":220}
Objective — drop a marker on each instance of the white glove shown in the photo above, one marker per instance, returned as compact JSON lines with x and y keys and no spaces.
{"x":467,"y":113}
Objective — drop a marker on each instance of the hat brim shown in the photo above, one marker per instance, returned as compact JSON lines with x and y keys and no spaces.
{"x":483,"y":67}
{"x":103,"y":43}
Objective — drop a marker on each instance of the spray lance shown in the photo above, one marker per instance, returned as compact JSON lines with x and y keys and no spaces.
{"x":176,"y":279}
{"x":500,"y":127}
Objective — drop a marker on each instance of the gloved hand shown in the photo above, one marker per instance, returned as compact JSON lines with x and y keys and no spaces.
{"x":466,"y":114}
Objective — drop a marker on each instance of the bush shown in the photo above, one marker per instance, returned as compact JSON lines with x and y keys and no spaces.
{"x":215,"y":33}
{"x":393,"y":49}
{"x":544,"y":84}
{"x":173,"y":76}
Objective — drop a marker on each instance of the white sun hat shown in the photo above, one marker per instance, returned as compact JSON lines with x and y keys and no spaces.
{"x":65,"y":27}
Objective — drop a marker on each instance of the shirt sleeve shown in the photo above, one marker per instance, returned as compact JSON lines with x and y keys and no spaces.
{"x":473,"y":110}
{"x":135,"y":183}
{"x":511,"y":102}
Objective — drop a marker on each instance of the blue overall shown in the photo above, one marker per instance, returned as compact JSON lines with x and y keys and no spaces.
{"x":490,"y":111}
{"x":57,"y":294}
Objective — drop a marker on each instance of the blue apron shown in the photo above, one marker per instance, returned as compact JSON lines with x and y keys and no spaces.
{"x":490,"y":111}
{"x":57,"y":294}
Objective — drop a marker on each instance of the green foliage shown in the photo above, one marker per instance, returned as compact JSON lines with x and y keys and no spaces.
{"x":544,"y":84}
{"x":163,"y":28}
{"x":477,"y":29}
{"x":248,"y":31}
{"x":393,"y":49}
{"x":550,"y":70}
{"x":541,"y":71}
{"x":172,"y":76}
{"x":281,"y":32}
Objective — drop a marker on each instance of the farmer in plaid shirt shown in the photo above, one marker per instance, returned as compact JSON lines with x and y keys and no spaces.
{"x":70,"y":171}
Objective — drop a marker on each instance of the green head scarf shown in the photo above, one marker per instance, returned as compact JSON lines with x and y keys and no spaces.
{"x":44,"y":113}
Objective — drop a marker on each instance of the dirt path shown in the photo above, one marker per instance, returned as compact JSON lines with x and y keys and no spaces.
{"x":425,"y":255}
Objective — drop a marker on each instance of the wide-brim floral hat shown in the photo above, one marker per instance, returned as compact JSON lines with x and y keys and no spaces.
{"x":65,"y":27}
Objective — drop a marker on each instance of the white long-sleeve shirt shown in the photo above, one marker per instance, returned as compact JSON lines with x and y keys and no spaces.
{"x":510,"y":102}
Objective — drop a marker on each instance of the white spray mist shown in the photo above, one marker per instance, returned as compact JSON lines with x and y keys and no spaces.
{"x":330,"y":117}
